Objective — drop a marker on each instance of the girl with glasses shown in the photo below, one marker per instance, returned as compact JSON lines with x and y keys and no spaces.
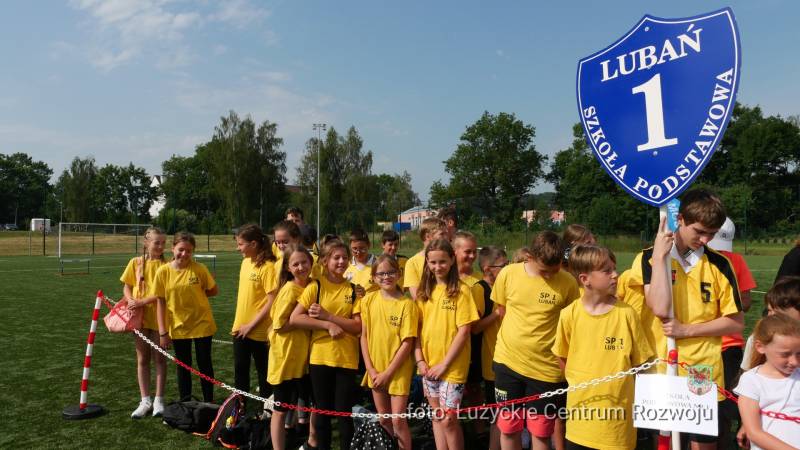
{"x":389,"y":322}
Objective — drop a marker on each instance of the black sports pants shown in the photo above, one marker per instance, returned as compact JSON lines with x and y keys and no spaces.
{"x":183,"y":351}
{"x":334,"y":389}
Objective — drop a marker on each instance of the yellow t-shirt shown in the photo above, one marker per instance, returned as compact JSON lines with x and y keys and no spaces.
{"x":401,"y":261}
{"x":254,"y":285}
{"x":144,"y":289}
{"x":412,"y":274}
{"x":525,"y":338}
{"x":317,"y":269}
{"x":441,"y":316}
{"x":388,"y":322}
{"x":594,"y":346}
{"x":184,"y":291}
{"x":338,"y":299}
{"x":707,"y":292}
{"x":476,"y":340}
{"x":288,"y":351}
{"x":488,"y":342}
{"x":361,"y":276}
{"x":476,"y":289}
{"x":632,"y":293}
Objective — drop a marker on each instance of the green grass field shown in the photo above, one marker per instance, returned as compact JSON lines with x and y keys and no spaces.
{"x":44,"y":322}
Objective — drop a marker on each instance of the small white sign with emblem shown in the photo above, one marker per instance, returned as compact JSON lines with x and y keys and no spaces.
{"x":670,"y":403}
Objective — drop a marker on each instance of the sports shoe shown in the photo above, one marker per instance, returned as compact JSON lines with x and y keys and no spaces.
{"x":142,"y":409}
{"x":158,"y":407}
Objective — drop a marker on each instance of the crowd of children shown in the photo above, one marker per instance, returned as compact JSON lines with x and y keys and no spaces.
{"x":316,"y":326}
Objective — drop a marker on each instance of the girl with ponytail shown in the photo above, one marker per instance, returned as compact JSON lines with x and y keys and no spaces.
{"x":258,"y":282}
{"x":138,"y":289}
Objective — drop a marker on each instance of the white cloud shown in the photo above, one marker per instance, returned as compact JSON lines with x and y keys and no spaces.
{"x":122,"y":31}
{"x":271,"y":38}
{"x":239,"y":13}
{"x":219,"y":49}
{"x":388,"y":128}
{"x":274,"y":76}
{"x":60,"y":50}
{"x":107,"y":59}
{"x":175,"y":58}
{"x":262,"y":99}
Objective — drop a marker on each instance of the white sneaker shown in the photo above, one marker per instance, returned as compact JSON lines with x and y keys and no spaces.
{"x":158,"y":407}
{"x":142,"y":410}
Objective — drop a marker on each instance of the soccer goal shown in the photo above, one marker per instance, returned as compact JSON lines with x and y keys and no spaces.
{"x":99,"y":238}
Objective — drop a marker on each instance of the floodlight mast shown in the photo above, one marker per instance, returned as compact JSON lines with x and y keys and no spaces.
{"x":319,"y":128}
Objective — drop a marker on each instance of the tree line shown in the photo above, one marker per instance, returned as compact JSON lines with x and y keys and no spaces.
{"x":755,"y":170}
{"x":239,"y":176}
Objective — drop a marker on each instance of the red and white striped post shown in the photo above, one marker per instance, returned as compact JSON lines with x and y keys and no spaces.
{"x":85,"y":410}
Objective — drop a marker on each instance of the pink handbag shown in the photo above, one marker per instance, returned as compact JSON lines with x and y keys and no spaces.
{"x":121,"y":319}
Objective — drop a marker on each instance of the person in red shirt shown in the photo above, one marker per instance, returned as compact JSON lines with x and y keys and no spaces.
{"x":732,"y":345}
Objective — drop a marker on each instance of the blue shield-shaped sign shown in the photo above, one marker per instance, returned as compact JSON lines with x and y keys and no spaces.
{"x":656,"y":103}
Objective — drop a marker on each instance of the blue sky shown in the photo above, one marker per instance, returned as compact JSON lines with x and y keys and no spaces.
{"x":141,"y":80}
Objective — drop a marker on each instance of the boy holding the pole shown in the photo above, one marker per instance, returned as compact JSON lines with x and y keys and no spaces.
{"x":705,"y":295}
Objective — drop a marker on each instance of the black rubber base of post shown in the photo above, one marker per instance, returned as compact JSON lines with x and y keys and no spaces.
{"x":74,"y":412}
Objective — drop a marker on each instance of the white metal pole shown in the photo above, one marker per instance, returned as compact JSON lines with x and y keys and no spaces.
{"x":672,"y":349}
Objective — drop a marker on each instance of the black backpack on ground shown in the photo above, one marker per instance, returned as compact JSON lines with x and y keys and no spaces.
{"x":228,"y":416}
{"x":252,"y":433}
{"x":370,"y":435}
{"x":190,"y":416}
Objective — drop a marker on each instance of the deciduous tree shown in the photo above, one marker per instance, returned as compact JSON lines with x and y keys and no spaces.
{"x":493,"y":167}
{"x":24,"y":187}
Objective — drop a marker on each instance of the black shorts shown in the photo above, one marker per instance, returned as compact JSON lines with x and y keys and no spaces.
{"x":288,"y":391}
{"x":731,"y":360}
{"x":475,"y":373}
{"x":509,"y":385}
{"x":488,"y":391}
{"x":699,"y":438}
{"x":569,"y":445}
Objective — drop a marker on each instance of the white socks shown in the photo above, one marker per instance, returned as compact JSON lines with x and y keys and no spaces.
{"x":158,"y":407}
{"x":144,"y":407}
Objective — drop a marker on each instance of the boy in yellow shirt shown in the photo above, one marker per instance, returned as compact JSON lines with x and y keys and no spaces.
{"x":430,"y":230}
{"x":360,"y":268}
{"x":529,"y":296}
{"x":705,"y":293}
{"x":390,"y":243}
{"x":610,"y":340}
{"x":465,"y":246}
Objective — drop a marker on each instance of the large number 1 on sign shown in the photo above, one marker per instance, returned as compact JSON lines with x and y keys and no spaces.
{"x":655,"y":115}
